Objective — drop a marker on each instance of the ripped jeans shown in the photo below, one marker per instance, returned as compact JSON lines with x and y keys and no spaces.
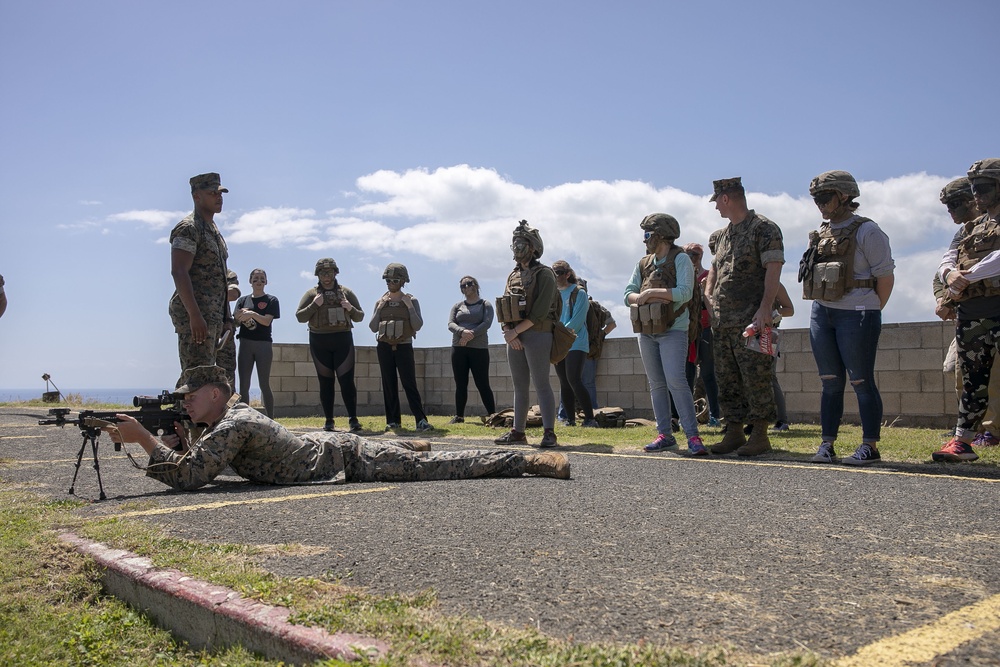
{"x":844,"y":344}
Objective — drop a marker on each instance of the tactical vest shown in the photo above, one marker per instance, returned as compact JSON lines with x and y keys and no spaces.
{"x":332,"y":317}
{"x":827,"y":267}
{"x":394,"y":323}
{"x":657,"y":317}
{"x":518,"y":298}
{"x":972,"y":249}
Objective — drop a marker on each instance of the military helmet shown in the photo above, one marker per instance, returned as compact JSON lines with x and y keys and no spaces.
{"x":531,"y":235}
{"x":396,"y":272}
{"x":988,"y":168}
{"x":838,"y":181}
{"x":326,"y":264}
{"x":960,"y":188}
{"x":663,"y":225}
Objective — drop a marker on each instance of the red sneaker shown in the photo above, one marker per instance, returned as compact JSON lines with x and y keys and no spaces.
{"x":955,"y":450}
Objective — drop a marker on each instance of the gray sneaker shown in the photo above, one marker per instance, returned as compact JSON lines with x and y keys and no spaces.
{"x":825,"y":453}
{"x":864,"y":455}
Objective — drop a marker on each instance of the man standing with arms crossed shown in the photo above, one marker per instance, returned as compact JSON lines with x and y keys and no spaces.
{"x":741,"y":288}
{"x":199,"y":306}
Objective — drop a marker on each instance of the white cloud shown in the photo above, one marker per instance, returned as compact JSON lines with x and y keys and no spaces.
{"x":153,"y":219}
{"x":275,"y":227}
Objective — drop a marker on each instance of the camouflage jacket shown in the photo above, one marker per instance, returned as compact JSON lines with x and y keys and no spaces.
{"x":257,"y":448}
{"x":208,"y":272}
{"x":742,"y":253}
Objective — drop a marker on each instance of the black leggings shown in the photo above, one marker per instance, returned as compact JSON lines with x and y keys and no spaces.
{"x":570,"y":372}
{"x":333,"y":355}
{"x":477,"y":360}
{"x":400,"y":360}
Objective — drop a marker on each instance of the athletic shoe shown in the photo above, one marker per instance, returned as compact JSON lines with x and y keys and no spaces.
{"x":825,"y":453}
{"x":696,"y":447}
{"x":424,"y":425}
{"x":780,"y":426}
{"x":328,"y":426}
{"x":457,"y":420}
{"x":355,"y":426}
{"x":548,"y":439}
{"x":589,"y":423}
{"x":985,"y":439}
{"x":713,"y":422}
{"x":955,"y":451}
{"x":512,"y":437}
{"x":391,"y":426}
{"x":662,"y":443}
{"x":864,"y":455}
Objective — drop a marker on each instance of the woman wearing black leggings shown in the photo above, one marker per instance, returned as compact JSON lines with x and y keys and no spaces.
{"x":331,"y":310}
{"x":469,"y":322}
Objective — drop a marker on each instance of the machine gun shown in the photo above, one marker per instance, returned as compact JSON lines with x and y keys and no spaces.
{"x":157,"y":415}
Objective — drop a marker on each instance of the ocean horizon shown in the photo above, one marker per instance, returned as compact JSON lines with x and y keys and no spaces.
{"x":116,"y":395}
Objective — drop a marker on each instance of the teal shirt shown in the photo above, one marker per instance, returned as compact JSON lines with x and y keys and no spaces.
{"x":577,"y":319}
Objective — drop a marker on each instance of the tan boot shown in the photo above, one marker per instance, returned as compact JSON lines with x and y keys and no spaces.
{"x":417,"y":445}
{"x":547,"y":464}
{"x":758,"y":442}
{"x":733,"y":440}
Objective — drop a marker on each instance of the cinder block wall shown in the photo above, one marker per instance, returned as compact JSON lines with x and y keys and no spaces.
{"x":914,"y":390}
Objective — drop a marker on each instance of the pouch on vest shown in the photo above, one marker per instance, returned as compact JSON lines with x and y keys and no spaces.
{"x":337,"y":317}
{"x":511,"y":308}
{"x":649,"y":318}
{"x":827,"y":281}
{"x":390,"y":331}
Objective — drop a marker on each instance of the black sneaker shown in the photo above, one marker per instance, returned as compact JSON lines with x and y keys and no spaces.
{"x":457,"y":420}
{"x":512,"y":437}
{"x":355,"y":426}
{"x":548,"y":439}
{"x":391,"y":426}
{"x":864,"y":455}
{"x":328,"y":426}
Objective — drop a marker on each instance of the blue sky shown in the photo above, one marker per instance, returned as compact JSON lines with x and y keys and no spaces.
{"x":383,"y":131}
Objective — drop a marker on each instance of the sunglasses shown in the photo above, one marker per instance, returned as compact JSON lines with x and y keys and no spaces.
{"x":466,"y":285}
{"x":983,"y":188}
{"x":561,"y":272}
{"x":823,"y":198}
{"x":392,"y":280}
{"x":646,"y":235}
{"x":956,"y":204}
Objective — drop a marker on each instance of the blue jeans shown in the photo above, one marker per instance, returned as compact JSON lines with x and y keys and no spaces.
{"x":844,"y":343}
{"x":664,"y":357}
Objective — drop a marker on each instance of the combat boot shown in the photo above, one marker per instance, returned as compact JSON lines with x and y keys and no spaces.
{"x":733,"y":440}
{"x":417,"y":445}
{"x":758,"y":442}
{"x":547,"y":464}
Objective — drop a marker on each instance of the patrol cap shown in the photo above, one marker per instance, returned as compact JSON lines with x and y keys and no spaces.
{"x":197,"y":377}
{"x":232,"y":278}
{"x":726,"y":185}
{"x":960,"y":188}
{"x":210,"y":181}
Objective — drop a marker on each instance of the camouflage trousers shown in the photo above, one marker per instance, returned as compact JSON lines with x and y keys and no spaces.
{"x":192,"y":354}
{"x":394,"y":461}
{"x":744,"y":377}
{"x":226,"y":358}
{"x":991,"y":420}
{"x":978,"y":344}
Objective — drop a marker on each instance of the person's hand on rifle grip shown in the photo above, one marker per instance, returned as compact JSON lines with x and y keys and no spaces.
{"x":176,"y":440}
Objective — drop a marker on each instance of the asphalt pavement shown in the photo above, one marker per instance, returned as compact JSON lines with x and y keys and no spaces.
{"x":766,"y":556}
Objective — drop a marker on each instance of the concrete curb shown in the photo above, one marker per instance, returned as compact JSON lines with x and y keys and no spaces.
{"x":209,"y":616}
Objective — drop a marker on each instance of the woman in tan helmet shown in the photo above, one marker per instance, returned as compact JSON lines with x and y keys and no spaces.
{"x":527,"y":315}
{"x":331,"y":311}
{"x":395,"y":321}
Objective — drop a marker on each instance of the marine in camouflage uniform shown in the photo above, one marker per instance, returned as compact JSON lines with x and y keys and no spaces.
{"x":199,"y":306}
{"x":226,"y":355}
{"x":971,"y":271}
{"x":741,"y":288}
{"x":264,"y":451}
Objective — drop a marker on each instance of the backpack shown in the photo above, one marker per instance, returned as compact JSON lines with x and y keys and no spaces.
{"x":597,"y":317}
